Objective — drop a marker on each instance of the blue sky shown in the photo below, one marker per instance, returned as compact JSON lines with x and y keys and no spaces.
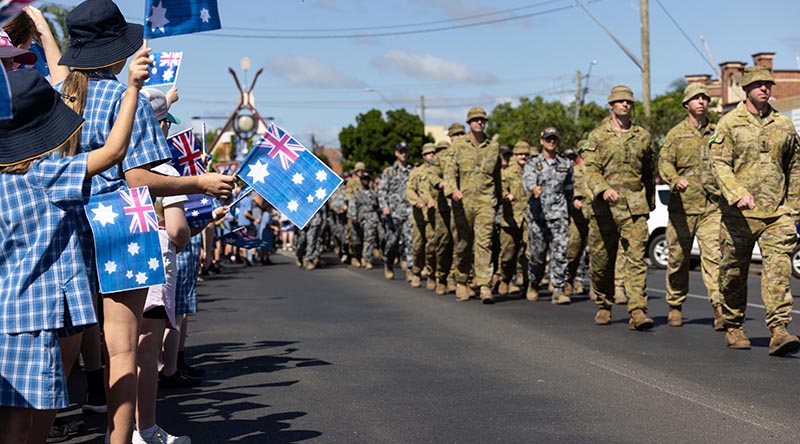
{"x":320,"y":85}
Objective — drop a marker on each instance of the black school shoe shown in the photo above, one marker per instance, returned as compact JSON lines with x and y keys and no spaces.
{"x":178,"y":379}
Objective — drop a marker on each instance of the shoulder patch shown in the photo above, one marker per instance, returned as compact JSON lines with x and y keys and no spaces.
{"x":716,"y":138}
{"x":589,"y":146}
{"x":539,"y":166}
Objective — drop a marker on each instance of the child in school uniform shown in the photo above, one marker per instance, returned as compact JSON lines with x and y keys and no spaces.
{"x":43,"y":295}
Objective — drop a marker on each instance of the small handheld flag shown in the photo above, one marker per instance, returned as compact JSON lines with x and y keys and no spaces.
{"x":198,"y":208}
{"x":125,"y":229}
{"x":164,"y":18}
{"x":240,"y":238}
{"x":187,"y":157}
{"x":287,"y":175}
{"x":166,"y":66}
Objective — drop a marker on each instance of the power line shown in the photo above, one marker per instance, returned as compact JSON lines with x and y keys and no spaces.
{"x":674,"y":22}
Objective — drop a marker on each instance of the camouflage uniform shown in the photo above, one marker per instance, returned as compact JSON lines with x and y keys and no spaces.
{"x":513,"y":225}
{"x":363,"y":211}
{"x":692,"y":212}
{"x":475,"y":171}
{"x":418,"y":192}
{"x":307,"y":242}
{"x":758,"y":157}
{"x":352,"y":185}
{"x":338,"y":205}
{"x":549,"y":217}
{"x":443,"y":234}
{"x":622,"y":161}
{"x":578,"y":226}
{"x":392,"y":195}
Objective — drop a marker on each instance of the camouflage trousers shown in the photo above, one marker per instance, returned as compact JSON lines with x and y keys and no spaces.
{"x":576,"y":247}
{"x":473,"y":243}
{"x":777,"y":238}
{"x":681,"y":231}
{"x":606,"y":237}
{"x":307,"y":242}
{"x":339,"y":231}
{"x":421,"y":240}
{"x":513,"y":251}
{"x":398,"y":238}
{"x":443,"y":241}
{"x":555,"y":233}
{"x":365,"y":238}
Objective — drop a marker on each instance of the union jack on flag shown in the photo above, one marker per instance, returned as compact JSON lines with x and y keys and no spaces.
{"x":164,"y":71}
{"x":187,"y":157}
{"x":170,"y":59}
{"x":280,"y":144}
{"x":141,"y":210}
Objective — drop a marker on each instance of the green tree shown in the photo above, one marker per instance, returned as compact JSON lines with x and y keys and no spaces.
{"x":372,"y":139}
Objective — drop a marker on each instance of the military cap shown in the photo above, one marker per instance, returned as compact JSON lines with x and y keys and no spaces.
{"x":695,"y":89}
{"x":402,"y":146}
{"x":359,"y":166}
{"x":620,"y":92}
{"x":754,"y":74}
{"x":476,"y":112}
{"x":428,"y":148}
{"x":456,"y":129}
{"x":442,"y":145}
{"x":570,"y":153}
{"x":550,"y":131}
{"x":522,"y":147}
{"x":505,"y":151}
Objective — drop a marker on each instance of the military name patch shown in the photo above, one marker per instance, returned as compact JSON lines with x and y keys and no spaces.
{"x":562,"y":169}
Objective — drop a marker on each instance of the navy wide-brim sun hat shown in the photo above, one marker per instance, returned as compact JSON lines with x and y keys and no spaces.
{"x":99,"y":36}
{"x":41,"y":121}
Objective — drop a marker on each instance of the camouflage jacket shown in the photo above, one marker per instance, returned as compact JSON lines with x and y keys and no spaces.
{"x":514,"y":211}
{"x":363,"y":205}
{"x":685,"y":155}
{"x":475,"y":170}
{"x":338,"y":200}
{"x":558,"y":188}
{"x":353,"y":184}
{"x":392,"y":190}
{"x":758,"y":158}
{"x":418,"y":187}
{"x":581,"y":192}
{"x":622,"y":161}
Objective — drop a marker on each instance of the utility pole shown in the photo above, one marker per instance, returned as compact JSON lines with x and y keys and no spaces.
{"x":422,"y":109}
{"x":578,"y":95}
{"x":645,"y":57}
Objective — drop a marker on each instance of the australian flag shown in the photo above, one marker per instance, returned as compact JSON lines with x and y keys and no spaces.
{"x":287,"y":175}
{"x":240,"y":238}
{"x":164,"y":18}
{"x":198,"y":208}
{"x":165,"y":68}
{"x":187,"y":157}
{"x":126,"y":240}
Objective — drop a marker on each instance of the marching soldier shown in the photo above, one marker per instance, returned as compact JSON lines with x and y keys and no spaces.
{"x":579,"y":214}
{"x":443,"y":235}
{"x":363,"y":212}
{"x":338,"y":205}
{"x":472,"y":180}
{"x":308,"y":242}
{"x":418,"y":192}
{"x":396,"y":211}
{"x":619,"y":174}
{"x":548,"y":176}
{"x":684,"y":164}
{"x":352,"y":185}
{"x":513,"y":226}
{"x":755,"y":155}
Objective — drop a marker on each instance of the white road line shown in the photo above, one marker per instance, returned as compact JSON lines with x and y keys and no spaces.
{"x":705,"y":298}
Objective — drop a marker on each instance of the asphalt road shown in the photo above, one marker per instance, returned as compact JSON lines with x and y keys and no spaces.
{"x":340,"y":355}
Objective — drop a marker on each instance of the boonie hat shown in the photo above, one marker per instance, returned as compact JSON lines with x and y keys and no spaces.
{"x":99,"y":36}
{"x":9,"y":51}
{"x":456,"y":129}
{"x":693,"y":90}
{"x":442,"y":145}
{"x":428,"y":148}
{"x":754,"y":74}
{"x":402,"y":146}
{"x":359,"y":166}
{"x":158,"y":101}
{"x":550,"y":131}
{"x":41,"y":121}
{"x":522,"y":147}
{"x":476,"y":112}
{"x":621,"y":92}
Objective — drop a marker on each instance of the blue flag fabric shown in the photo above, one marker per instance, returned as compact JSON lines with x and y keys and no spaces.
{"x":164,"y":18}
{"x":166,"y":66}
{"x":187,"y":157}
{"x":198,"y":208}
{"x":5,"y":95}
{"x":288,"y":176}
{"x":125,"y":228}
{"x":240,"y":238}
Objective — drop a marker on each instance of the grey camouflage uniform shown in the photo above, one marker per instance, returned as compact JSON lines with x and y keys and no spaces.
{"x":392,"y":195}
{"x":338,"y":218}
{"x":363,"y":211}
{"x":307,"y":245}
{"x":549,"y":217}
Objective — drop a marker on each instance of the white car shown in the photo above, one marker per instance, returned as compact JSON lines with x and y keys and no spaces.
{"x":657,"y":241}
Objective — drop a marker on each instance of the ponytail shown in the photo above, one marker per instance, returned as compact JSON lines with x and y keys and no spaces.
{"x":74,"y":92}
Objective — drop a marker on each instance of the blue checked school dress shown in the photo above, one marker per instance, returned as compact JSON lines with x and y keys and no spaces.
{"x":147,"y":145}
{"x":43,"y":286}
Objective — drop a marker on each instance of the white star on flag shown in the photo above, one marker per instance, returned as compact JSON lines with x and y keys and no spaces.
{"x":292,"y":205}
{"x":297,"y":178}
{"x":141,"y":278}
{"x":153,"y":263}
{"x":204,"y":15}
{"x":310,"y":198}
{"x":204,"y":201}
{"x":195,"y":213}
{"x":258,"y":172}
{"x":111,"y":267}
{"x":158,"y":17}
{"x":133,"y":248}
{"x":322,"y":176}
{"x":154,"y":71}
{"x":320,"y":193}
{"x":104,"y":214}
{"x":129,"y":274}
{"x":168,"y":74}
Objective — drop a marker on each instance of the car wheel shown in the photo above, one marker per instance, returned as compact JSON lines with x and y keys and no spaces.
{"x":657,"y":251}
{"x":796,"y":262}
